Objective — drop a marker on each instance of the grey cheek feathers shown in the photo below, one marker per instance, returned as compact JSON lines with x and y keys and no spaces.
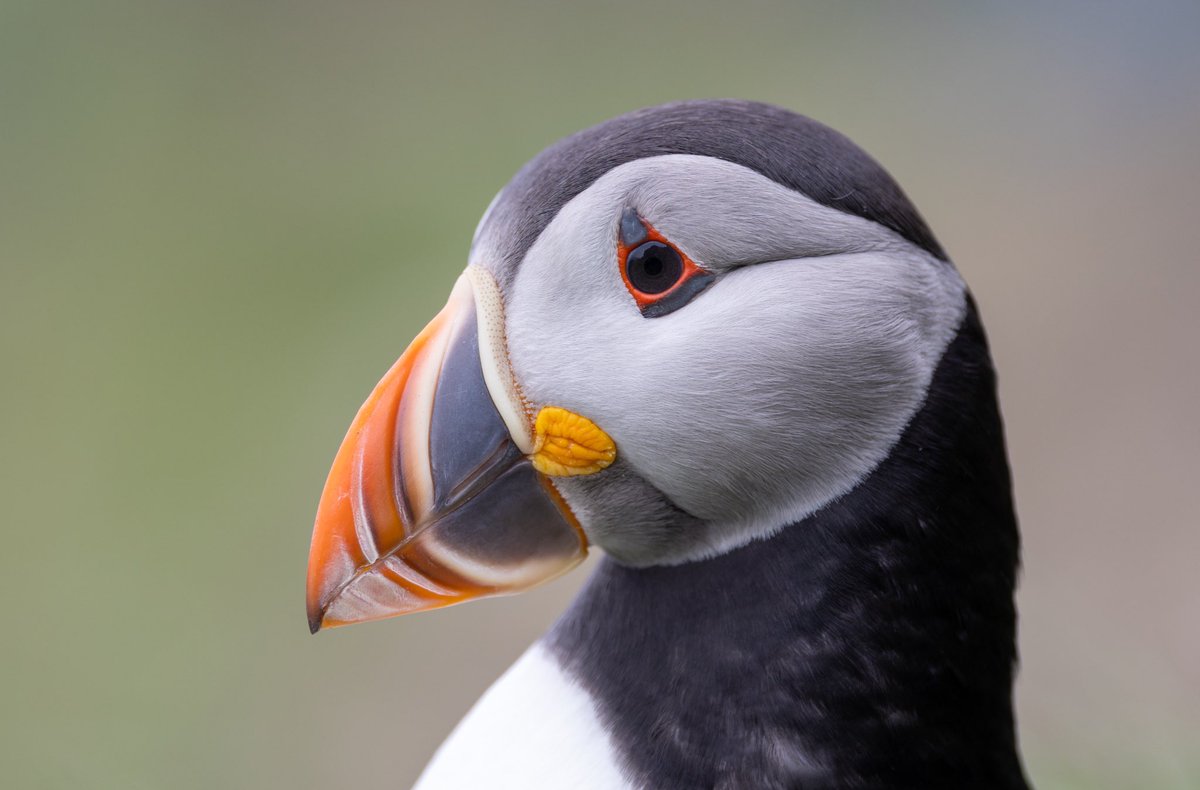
{"x":772,"y":393}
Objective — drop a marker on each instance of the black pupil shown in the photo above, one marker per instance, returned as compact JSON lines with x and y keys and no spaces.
{"x":653,"y":267}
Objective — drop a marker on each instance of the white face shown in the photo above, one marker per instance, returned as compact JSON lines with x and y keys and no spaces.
{"x":771,"y":393}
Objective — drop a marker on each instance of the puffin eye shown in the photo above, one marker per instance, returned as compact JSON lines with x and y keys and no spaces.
{"x":659,"y":276}
{"x":653,"y":267}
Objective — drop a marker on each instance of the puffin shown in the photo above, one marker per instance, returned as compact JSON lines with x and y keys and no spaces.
{"x":716,"y":341}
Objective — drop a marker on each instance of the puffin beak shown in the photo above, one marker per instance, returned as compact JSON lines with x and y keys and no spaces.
{"x":441,"y":490}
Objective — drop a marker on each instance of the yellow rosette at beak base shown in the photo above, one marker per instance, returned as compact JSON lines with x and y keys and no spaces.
{"x":566,"y":444}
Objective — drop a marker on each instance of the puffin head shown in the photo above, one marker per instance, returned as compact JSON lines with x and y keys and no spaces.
{"x":678,"y":332}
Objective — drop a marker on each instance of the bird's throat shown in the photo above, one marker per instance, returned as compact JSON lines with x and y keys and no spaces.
{"x":870,"y":645}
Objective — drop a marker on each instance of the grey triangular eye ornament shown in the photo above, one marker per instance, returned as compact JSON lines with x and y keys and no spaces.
{"x":660,"y":277}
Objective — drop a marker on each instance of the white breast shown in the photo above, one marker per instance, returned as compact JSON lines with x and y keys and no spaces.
{"x":534,"y":728}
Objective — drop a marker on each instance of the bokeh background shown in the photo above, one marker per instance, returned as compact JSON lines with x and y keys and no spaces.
{"x":221,"y":222}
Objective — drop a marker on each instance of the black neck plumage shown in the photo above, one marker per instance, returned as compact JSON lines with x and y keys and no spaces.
{"x":870,"y":645}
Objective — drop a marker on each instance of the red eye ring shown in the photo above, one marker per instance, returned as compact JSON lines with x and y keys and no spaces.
{"x":658,"y":303}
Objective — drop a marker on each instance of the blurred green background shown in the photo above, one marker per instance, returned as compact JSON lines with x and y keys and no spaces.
{"x":220,"y":222}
